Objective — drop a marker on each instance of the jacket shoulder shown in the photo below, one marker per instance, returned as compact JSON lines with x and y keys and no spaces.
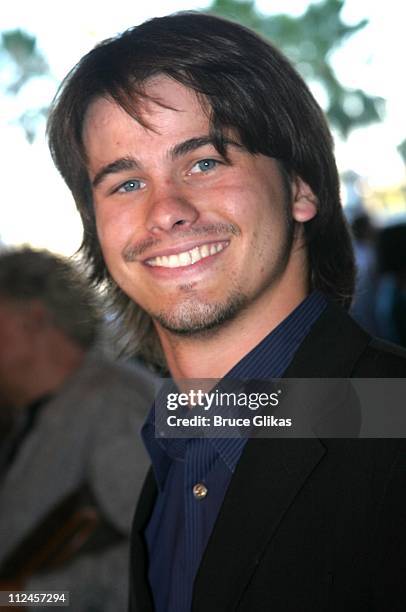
{"x":381,"y":359}
{"x":337,"y":347}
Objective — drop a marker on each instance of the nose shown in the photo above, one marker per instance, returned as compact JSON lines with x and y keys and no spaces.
{"x":170,"y":208}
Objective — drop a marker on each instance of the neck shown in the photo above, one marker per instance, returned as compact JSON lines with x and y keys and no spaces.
{"x":213,"y":354}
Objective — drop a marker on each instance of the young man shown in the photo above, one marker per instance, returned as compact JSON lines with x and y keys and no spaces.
{"x":203,"y":170}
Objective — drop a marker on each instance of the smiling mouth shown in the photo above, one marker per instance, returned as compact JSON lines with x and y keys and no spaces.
{"x":187,"y":258}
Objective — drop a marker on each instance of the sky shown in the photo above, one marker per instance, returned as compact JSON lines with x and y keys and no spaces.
{"x":37,"y":208}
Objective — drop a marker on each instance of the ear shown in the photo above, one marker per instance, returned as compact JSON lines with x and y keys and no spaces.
{"x":305,"y":203}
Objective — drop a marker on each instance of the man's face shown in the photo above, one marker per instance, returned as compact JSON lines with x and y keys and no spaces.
{"x":191,"y":237}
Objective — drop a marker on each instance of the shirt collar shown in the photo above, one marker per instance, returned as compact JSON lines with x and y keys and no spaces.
{"x":269,"y":359}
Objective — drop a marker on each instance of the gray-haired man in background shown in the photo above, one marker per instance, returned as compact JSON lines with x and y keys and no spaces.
{"x":72,"y":467}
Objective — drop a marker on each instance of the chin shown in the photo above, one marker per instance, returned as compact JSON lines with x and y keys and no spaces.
{"x":201,"y":319}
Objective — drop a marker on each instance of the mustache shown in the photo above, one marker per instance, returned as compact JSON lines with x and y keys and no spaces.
{"x":134,"y":251}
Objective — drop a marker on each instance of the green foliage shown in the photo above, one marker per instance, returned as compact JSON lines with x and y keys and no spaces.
{"x":21,"y":48}
{"x":309,"y":41}
{"x":18,"y":50}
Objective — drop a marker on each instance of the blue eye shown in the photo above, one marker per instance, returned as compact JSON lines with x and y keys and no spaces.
{"x":207,"y":164}
{"x":132,"y":185}
{"x":204,"y":165}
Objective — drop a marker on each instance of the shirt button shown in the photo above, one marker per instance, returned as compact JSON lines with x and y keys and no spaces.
{"x":200,"y":491}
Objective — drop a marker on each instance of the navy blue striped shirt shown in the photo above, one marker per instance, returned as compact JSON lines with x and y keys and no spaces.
{"x":181,"y":524}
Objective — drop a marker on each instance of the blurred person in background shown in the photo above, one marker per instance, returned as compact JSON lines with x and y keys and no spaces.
{"x":379,"y":303}
{"x":363,"y":307}
{"x":72,"y":465}
{"x":391,"y":295}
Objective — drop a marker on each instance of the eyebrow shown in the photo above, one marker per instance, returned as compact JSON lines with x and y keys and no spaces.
{"x":178,"y":150}
{"x":118,"y":165}
{"x":195,"y":143}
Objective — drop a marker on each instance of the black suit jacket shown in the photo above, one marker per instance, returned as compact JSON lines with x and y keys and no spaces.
{"x":306,"y":524}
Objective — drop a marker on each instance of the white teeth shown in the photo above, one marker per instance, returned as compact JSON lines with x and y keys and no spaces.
{"x":186,"y":258}
{"x":204,"y":250}
{"x":195,"y":255}
{"x":183,"y":259}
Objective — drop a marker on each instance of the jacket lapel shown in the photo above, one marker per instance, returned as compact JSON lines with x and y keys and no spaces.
{"x":267,"y":479}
